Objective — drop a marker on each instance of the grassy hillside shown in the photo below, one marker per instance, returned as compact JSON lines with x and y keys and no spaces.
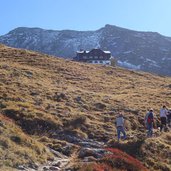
{"x":43,"y":97}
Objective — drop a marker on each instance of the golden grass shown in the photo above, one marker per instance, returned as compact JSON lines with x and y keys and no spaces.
{"x":157,"y":152}
{"x":17,"y":148}
{"x":36,"y":88}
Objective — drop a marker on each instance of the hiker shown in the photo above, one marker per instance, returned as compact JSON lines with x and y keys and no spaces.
{"x":149,"y":121}
{"x":120,"y":126}
{"x":163,"y":118}
{"x":169,"y":117}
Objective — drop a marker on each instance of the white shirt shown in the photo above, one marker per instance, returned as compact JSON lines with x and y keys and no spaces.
{"x":120,"y":121}
{"x":163,"y":112}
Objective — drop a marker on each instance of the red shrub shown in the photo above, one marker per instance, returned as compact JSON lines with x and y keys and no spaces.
{"x":119,"y":159}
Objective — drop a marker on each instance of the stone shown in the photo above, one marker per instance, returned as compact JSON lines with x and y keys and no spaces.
{"x":16,"y":139}
{"x":33,"y":93}
{"x":169,"y":85}
{"x":57,"y":164}
{"x":45,"y":168}
{"x":87,"y":152}
{"x":28,"y":74}
{"x":33,"y":165}
{"x":100,"y":106}
{"x":52,"y":168}
{"x":21,"y":167}
{"x":59,"y":97}
{"x":78,"y":99}
{"x":89,"y":159}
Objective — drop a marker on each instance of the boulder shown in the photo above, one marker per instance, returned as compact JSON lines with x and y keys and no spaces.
{"x":21,"y":167}
{"x":87,"y":152}
{"x":52,"y":168}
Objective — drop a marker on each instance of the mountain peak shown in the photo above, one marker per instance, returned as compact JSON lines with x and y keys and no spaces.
{"x":147,"y":51}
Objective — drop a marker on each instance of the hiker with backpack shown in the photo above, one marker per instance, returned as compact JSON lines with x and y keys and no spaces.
{"x":120,"y":126}
{"x":149,"y":121}
{"x":163,"y":118}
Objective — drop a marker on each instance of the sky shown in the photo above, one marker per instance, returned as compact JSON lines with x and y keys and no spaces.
{"x":140,"y":15}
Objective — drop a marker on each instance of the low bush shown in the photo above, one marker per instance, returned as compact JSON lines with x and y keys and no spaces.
{"x":121,"y":160}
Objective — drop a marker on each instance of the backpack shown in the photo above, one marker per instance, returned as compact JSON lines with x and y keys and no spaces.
{"x":150,"y":118}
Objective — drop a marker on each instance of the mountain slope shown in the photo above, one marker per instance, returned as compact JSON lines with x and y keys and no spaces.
{"x":147,"y":51}
{"x":65,"y":106}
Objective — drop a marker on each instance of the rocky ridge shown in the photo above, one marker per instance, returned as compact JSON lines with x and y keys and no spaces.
{"x":147,"y":51}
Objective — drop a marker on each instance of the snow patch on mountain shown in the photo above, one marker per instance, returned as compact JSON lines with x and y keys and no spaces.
{"x":128,"y":65}
{"x":147,"y":51}
{"x":126,"y":52}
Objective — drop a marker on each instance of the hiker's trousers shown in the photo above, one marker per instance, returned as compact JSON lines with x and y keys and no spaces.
{"x":120,"y":129}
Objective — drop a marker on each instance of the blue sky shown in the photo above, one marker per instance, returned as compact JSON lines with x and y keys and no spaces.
{"x":141,"y":15}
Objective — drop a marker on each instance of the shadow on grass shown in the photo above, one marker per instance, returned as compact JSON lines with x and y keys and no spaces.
{"x":132,"y":148}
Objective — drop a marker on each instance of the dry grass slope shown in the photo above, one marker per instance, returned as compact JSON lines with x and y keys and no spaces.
{"x":41,"y":95}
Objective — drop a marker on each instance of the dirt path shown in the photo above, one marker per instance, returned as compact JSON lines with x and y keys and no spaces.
{"x":87,"y":150}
